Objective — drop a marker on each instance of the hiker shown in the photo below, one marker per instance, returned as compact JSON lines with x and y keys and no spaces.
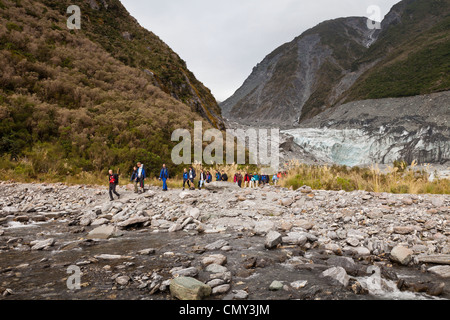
{"x":235,"y":180}
{"x":191,"y":177}
{"x":134,"y":179}
{"x":186,"y":179}
{"x":218,"y":176}
{"x":141,"y":176}
{"x":239,"y":179}
{"x":164,"y":175}
{"x":113,"y":182}
{"x":202,"y":180}
{"x":246,"y":180}
{"x":254,"y":181}
{"x":275,"y":179}
{"x":224,"y":176}
{"x":208,"y":177}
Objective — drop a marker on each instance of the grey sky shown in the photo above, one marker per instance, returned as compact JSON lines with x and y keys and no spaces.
{"x":221,"y":41}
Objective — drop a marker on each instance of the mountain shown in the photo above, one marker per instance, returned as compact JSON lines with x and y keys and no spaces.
{"x":107,"y":95}
{"x":342,"y":60}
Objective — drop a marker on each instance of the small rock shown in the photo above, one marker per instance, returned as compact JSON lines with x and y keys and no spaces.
{"x":299,"y":284}
{"x":216,"y":268}
{"x":219,"y":259}
{"x":187,"y":272}
{"x":276,"y":286}
{"x":123,"y":281}
{"x":239,"y":295}
{"x":216,"y":245}
{"x":147,"y":252}
{"x":224,"y":288}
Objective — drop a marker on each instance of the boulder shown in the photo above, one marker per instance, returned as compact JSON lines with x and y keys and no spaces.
{"x":186,"y":288}
{"x":441,"y":271}
{"x":401,"y":255}
{"x":187,"y":272}
{"x":102,"y":233}
{"x":216,"y":245}
{"x":133,"y":222}
{"x":221,"y":186}
{"x":216,"y":268}
{"x":338,"y":274}
{"x":41,"y":244}
{"x":219,"y":259}
{"x":273,"y":239}
{"x":434,"y":258}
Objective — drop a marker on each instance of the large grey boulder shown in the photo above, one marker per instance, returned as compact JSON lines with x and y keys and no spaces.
{"x":186,"y":288}
{"x":338,"y":274}
{"x":102,"y":233}
{"x":401,"y":255}
{"x":273,"y":239}
{"x":221,"y":186}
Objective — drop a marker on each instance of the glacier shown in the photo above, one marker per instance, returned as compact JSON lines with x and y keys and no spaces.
{"x":358,"y":147}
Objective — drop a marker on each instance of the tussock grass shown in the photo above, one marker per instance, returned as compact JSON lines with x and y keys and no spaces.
{"x":396,"y":179}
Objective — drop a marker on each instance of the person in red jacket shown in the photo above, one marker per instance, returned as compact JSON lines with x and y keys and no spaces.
{"x":247,"y":179}
{"x":113,"y":182}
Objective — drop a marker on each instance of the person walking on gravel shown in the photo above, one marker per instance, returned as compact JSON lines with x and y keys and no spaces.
{"x":113,"y":182}
{"x":164,"y":175}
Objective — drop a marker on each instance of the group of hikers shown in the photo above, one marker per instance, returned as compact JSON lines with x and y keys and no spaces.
{"x":138,"y":177}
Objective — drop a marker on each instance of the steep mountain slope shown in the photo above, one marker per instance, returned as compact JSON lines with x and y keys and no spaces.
{"x":415,"y":51}
{"x":68,"y":105}
{"x":343,"y":60}
{"x":109,"y":24}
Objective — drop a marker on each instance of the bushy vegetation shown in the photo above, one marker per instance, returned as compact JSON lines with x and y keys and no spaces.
{"x":68,"y":108}
{"x":414,"y":55}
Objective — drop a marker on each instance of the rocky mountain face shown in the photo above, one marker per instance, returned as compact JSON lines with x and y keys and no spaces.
{"x":343,"y":60}
{"x":381,"y":94}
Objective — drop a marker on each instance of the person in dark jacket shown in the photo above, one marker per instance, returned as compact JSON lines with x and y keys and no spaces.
{"x":224,"y":176}
{"x":113,"y":182}
{"x":191,"y":176}
{"x":164,"y":175}
{"x":208,"y":177}
{"x":133,"y":179}
{"x":218,"y":176}
{"x":141,"y":176}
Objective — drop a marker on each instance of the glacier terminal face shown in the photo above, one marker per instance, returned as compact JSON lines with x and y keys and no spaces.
{"x":355,"y":147}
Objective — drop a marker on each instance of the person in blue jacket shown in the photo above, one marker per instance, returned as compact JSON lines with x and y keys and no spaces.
{"x":140,"y":177}
{"x":186,"y":179}
{"x":164,"y":175}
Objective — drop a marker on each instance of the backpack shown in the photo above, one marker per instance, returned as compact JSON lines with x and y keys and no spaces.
{"x":116,"y":179}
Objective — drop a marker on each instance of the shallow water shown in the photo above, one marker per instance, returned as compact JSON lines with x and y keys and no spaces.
{"x":43,"y":274}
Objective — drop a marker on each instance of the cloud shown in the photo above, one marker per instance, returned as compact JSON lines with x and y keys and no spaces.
{"x":221,"y":41}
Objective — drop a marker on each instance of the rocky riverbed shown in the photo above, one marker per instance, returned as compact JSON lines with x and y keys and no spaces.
{"x":265,"y":243}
